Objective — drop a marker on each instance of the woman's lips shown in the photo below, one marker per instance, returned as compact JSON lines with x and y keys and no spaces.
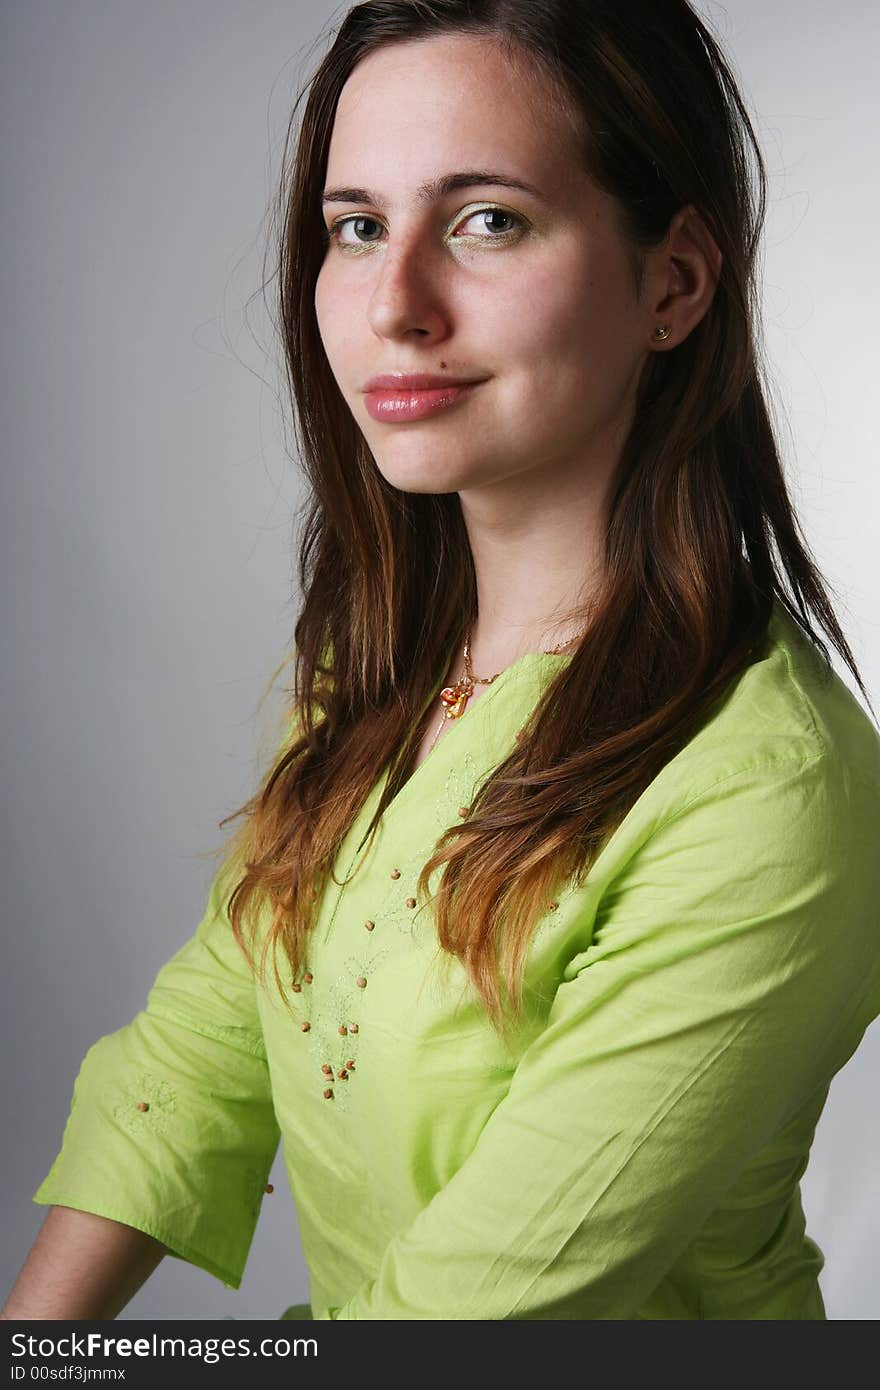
{"x":398,"y":405}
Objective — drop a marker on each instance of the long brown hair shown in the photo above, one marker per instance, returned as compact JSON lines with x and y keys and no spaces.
{"x":699,"y":500}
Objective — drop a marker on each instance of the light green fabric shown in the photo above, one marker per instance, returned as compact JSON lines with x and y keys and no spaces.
{"x":637,"y":1153}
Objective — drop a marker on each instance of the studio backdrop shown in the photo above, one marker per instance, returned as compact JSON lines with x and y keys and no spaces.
{"x":149,"y":502}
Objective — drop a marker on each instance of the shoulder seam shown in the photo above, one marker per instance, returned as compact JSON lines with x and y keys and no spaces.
{"x":757,"y":766}
{"x":246,"y":1043}
{"x":805,"y":704}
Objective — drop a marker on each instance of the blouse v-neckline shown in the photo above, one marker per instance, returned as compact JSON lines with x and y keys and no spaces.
{"x":419,"y":775}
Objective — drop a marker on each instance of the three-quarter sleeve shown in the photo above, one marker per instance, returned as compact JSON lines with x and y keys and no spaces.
{"x":171,"y":1127}
{"x":730,"y":969}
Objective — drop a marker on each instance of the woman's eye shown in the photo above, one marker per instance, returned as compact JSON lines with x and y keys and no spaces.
{"x":335,"y":230}
{"x":492,"y":232}
{"x":500,"y":213}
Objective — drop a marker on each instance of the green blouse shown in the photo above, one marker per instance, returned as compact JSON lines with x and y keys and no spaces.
{"x":636,"y":1152}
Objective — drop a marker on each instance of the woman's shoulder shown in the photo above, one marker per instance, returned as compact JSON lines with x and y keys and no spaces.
{"x":768,"y":814}
{"x":787,"y":716}
{"x":806,"y":700}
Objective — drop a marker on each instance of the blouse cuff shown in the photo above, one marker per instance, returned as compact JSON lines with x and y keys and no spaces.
{"x":173,"y":1133}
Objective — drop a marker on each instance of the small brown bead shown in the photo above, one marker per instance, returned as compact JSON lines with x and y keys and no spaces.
{"x":343,"y":1030}
{"x":361,"y":982}
{"x":328,"y":1094}
{"x":350,"y":1065}
{"x":410,"y":902}
{"x":327,"y":1069}
{"x":305,"y":1027}
{"x":297,"y":988}
{"x":553,"y":906}
{"x":308,"y":977}
{"x":352,"y":1028}
{"x":395,"y":873}
{"x":269,"y":1187}
{"x":342,"y":1074}
{"x":143,"y":1105}
{"x":370,"y":926}
{"x":464,"y":811}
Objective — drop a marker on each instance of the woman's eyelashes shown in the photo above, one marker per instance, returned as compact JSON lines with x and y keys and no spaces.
{"x":516,"y":226}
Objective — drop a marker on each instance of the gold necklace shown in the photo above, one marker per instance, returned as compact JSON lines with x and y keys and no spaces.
{"x":454,"y":698}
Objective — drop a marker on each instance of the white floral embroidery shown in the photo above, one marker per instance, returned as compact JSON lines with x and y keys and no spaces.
{"x":392,"y":909}
{"x":459,"y":790}
{"x":336,"y":1006}
{"x":328,"y":1007}
{"x":142,"y":1089}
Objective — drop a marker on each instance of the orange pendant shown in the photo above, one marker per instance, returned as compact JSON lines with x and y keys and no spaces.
{"x":455,"y":699}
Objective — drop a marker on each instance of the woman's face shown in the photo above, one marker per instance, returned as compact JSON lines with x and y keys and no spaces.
{"x":530,"y":293}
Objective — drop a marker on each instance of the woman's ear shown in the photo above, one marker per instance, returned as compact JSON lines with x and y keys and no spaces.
{"x":683,"y":274}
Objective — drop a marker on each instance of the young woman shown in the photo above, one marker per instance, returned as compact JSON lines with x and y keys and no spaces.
{"x":555,"y":916}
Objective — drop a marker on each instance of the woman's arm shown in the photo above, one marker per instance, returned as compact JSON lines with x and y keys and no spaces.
{"x":169,"y":1140}
{"x":171,"y":1129}
{"x":82,"y":1266}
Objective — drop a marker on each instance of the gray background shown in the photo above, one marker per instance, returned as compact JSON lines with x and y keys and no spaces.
{"x":147,"y":514}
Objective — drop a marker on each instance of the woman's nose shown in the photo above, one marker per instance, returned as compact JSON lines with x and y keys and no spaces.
{"x":409,"y":293}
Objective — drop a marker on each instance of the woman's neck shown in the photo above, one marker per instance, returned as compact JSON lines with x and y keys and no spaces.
{"x":537,"y":557}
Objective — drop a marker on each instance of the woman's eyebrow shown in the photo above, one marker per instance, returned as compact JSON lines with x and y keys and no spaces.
{"x":436,"y":188}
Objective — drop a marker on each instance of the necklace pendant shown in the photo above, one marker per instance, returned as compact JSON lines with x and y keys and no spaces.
{"x":455,"y":700}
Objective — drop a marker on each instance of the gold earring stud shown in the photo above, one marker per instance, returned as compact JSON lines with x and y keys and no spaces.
{"x":661,"y":333}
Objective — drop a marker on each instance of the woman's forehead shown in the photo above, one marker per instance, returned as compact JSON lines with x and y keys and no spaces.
{"x":462,"y":83}
{"x":416,"y":113}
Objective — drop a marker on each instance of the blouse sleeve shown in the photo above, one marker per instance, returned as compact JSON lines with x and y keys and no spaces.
{"x":732,"y":967}
{"x":171,"y":1127}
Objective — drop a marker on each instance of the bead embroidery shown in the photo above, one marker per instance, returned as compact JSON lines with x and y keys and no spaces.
{"x":334,"y":1031}
{"x":142,"y":1089}
{"x":399,"y":908}
{"x":459,"y":790}
{"x":393,"y":911}
{"x":333,"y":1009}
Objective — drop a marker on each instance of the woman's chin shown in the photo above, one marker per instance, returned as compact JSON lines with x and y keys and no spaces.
{"x":429,"y":475}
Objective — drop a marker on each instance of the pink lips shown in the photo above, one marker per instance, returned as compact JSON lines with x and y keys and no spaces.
{"x":413,"y":396}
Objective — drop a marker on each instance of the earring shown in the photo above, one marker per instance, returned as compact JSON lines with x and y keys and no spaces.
{"x":661,"y":332}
